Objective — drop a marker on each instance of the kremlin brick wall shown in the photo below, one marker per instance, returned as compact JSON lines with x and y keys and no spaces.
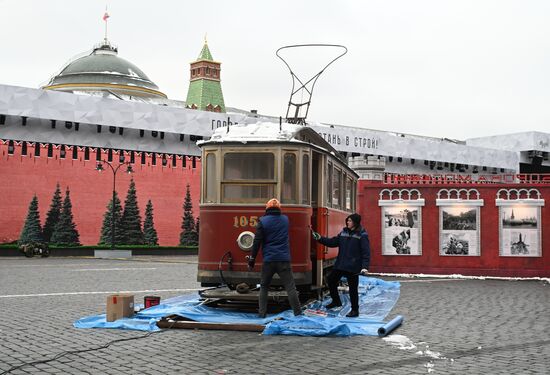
{"x":23,"y":176}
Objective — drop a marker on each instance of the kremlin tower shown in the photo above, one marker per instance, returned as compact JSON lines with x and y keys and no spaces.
{"x":205,"y":90}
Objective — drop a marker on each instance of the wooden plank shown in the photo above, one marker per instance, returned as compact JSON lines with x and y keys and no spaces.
{"x":163,"y":323}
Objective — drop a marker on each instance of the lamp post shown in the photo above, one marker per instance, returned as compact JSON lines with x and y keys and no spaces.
{"x":100,"y":168}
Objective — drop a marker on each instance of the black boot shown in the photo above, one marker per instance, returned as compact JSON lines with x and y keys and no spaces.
{"x":333,"y":305}
{"x":353,"y":314}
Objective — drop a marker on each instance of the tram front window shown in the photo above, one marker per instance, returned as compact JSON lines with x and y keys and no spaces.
{"x":249,"y":166}
{"x":248,"y":177}
{"x":235,"y":193}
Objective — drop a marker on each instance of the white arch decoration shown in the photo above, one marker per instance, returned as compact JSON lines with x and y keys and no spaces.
{"x":390,"y":197}
{"x":519,"y":194}
{"x":454,"y":196}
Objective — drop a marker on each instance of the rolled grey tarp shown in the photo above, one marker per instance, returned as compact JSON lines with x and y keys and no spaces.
{"x":390,"y":326}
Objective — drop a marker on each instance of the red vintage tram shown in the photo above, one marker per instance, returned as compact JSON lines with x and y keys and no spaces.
{"x":246,"y":165}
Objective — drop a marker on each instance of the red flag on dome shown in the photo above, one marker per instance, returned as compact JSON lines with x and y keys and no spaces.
{"x":105,"y":16}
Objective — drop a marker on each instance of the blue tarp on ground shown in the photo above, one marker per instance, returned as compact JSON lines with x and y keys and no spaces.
{"x":376,"y":299}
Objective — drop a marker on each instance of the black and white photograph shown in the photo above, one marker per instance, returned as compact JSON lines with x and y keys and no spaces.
{"x":516,"y":217}
{"x":455,"y":244}
{"x":400,"y":242}
{"x":518,"y":243}
{"x":459,"y":218}
{"x":401,"y":232}
{"x":520,"y":233}
{"x":401,"y":217}
{"x":459,"y":233}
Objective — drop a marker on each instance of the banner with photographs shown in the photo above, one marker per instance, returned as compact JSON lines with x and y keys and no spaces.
{"x":520,"y":233}
{"x":459,"y":230}
{"x":401,"y":232}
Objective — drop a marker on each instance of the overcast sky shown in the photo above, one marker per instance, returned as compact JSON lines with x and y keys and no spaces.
{"x":455,"y":69}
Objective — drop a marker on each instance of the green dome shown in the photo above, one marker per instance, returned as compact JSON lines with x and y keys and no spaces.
{"x":103,"y":70}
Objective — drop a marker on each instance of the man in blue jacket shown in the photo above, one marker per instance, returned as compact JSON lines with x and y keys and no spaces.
{"x":353,"y":259}
{"x":272,"y":237}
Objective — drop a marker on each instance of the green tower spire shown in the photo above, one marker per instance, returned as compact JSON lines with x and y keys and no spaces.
{"x":205,"y":89}
{"x":205,"y":53}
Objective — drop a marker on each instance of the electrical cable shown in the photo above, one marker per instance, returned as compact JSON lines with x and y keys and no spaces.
{"x":221,"y":272}
{"x":67,"y":352}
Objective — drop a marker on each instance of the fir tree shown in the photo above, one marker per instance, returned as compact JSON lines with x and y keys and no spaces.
{"x":149,"y":231}
{"x":106,"y":228}
{"x":65,"y":232}
{"x":52,"y":218}
{"x":32,"y":231}
{"x":131,"y":220}
{"x":188,"y":235}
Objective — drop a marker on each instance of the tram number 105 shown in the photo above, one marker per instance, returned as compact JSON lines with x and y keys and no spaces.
{"x":243,"y":221}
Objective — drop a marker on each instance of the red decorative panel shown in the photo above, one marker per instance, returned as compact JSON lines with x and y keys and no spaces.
{"x":489,"y":262}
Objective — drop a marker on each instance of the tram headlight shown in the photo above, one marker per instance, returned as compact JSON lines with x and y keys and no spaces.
{"x":245,"y":240}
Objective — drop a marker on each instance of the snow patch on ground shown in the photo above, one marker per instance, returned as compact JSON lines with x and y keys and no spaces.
{"x":436,"y":355}
{"x":430,"y":366}
{"x":458,"y":276}
{"x":404,"y":343}
{"x":400,"y":341}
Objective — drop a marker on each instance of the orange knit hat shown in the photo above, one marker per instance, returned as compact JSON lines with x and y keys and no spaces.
{"x":273,"y":203}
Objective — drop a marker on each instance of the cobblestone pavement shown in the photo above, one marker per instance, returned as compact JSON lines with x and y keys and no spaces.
{"x":451,"y":327}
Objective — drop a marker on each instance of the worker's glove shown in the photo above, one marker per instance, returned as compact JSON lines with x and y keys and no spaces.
{"x":316,"y":236}
{"x":251,"y":263}
{"x":364,"y":272}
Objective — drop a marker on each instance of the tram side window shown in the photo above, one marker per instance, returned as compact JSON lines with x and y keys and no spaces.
{"x":210,"y":181}
{"x":288,"y":191}
{"x":336,"y":190}
{"x":329,"y":184}
{"x":305,"y":179}
{"x":349,"y":192}
{"x":248,"y":177}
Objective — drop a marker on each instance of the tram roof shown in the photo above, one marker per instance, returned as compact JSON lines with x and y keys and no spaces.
{"x":270,"y":132}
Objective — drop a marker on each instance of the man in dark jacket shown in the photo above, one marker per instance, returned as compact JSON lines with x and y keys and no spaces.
{"x":272,"y":237}
{"x":353,"y":259}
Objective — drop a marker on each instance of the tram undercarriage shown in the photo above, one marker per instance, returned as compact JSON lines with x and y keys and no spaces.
{"x":240,"y":290}
{"x":244,"y":298}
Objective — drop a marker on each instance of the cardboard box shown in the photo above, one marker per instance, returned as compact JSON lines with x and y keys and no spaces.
{"x":119,"y":306}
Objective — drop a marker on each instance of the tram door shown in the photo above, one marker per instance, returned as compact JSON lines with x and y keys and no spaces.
{"x":316,"y":205}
